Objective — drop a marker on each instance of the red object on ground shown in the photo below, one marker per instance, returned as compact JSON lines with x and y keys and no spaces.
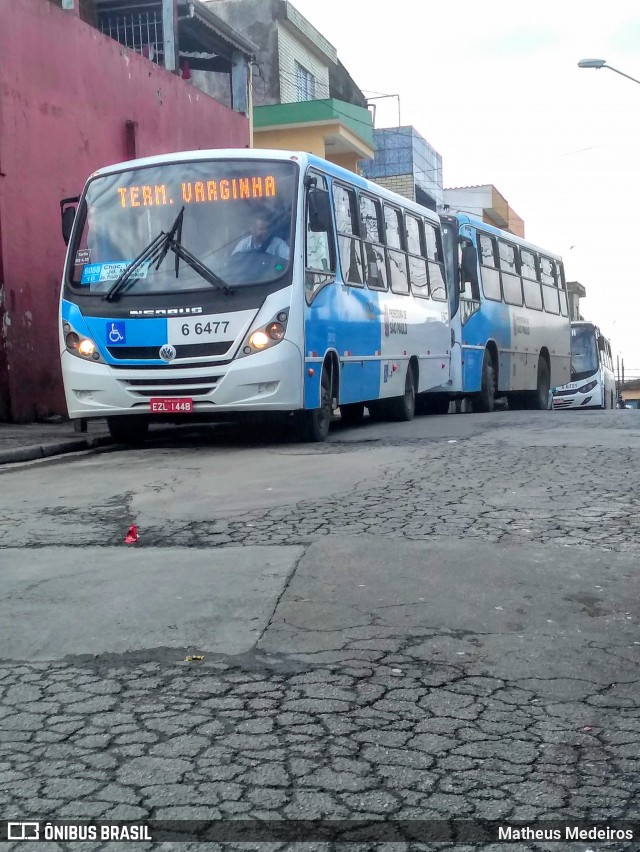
{"x":132,"y":536}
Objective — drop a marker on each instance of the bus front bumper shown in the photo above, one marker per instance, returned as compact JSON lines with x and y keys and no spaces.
{"x":265,"y":381}
{"x":578,"y":400}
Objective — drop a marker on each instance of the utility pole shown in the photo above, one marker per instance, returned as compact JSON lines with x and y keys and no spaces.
{"x":170,"y":31}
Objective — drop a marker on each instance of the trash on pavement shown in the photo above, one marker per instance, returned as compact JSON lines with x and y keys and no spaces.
{"x":132,"y":535}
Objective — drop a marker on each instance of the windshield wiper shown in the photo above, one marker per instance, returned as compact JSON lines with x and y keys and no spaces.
{"x":175,"y":233}
{"x":147,"y":253}
{"x":197,"y":265}
{"x":159,"y":244}
{"x":158,"y":248}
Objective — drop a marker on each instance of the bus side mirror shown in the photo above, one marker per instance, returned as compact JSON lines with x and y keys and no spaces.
{"x":319,"y":209}
{"x":68,"y":215}
{"x":469,"y":265}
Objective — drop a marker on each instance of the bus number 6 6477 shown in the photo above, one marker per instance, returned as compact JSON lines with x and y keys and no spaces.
{"x":206,"y":328}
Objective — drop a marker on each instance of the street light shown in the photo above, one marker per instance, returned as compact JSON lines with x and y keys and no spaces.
{"x":602,"y":63}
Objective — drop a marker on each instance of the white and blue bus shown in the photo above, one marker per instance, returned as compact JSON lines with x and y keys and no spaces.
{"x":509,"y":316}
{"x":593,"y":382}
{"x":211,"y":283}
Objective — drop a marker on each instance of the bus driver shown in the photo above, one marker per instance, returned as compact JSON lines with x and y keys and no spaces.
{"x":260,"y":239}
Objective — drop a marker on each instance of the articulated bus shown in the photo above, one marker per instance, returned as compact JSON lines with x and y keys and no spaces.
{"x":211,"y":283}
{"x":510,"y":326}
{"x":593,"y":383}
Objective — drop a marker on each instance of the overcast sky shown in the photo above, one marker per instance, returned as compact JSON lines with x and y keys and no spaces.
{"x":496,"y":89}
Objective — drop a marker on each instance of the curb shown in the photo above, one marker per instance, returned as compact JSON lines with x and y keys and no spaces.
{"x":44,"y":451}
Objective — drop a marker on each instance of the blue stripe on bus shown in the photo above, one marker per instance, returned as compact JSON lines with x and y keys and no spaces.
{"x":491,"y":322}
{"x":130,"y":332}
{"x":137,"y":332}
{"x":347,"y":320}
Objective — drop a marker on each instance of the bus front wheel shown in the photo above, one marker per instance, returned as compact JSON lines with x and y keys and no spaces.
{"x":313,"y":424}
{"x":485,"y":400}
{"x":128,"y":429}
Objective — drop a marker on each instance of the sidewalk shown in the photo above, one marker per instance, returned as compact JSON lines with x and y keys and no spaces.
{"x":27,"y":441}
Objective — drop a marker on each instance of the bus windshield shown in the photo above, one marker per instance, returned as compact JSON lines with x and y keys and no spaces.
{"x":584,"y":352}
{"x":236,"y":221}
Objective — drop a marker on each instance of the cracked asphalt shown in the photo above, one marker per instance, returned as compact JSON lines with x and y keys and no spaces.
{"x":425,"y":621}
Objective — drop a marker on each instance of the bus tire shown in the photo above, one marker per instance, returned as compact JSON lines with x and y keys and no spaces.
{"x":314,"y":423}
{"x":403,"y":408}
{"x":130,"y":429}
{"x":352,"y":413}
{"x":432,"y":403}
{"x":539,"y":399}
{"x":485,"y":400}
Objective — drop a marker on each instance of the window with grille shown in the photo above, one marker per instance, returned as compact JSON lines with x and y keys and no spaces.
{"x":141,"y":30}
{"x":306,"y":83}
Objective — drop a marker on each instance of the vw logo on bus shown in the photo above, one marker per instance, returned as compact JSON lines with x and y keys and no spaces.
{"x":167,"y":352}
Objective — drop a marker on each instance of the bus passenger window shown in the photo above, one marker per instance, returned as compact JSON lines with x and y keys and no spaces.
{"x":417,"y":256}
{"x":562,"y":290}
{"x":511,"y":284}
{"x":547,"y":272}
{"x":528,"y":265}
{"x":375,"y":265}
{"x":467,"y":266}
{"x":397,"y":257}
{"x":489,"y":273}
{"x":435,"y":263}
{"x":349,"y":244}
{"x":319,"y":256}
{"x":550,"y":287}
{"x":530,"y":282}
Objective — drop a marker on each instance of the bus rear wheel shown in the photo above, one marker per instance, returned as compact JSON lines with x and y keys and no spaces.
{"x":538,"y":400}
{"x":402,"y":408}
{"x":129,"y":429}
{"x":485,"y":400}
{"x":313,"y":424}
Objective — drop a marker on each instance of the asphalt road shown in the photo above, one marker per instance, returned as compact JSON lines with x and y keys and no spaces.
{"x":425,"y":621}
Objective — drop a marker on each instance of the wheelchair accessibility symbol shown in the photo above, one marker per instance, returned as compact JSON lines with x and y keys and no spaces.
{"x":116,"y":332}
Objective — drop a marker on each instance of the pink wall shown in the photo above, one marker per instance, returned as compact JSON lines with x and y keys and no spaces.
{"x":66,"y":92}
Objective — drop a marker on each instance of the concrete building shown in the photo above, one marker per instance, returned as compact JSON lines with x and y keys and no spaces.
{"x":303,"y":97}
{"x":73,"y":99}
{"x":405,"y":163}
{"x":487,"y":204}
{"x":575,"y":292}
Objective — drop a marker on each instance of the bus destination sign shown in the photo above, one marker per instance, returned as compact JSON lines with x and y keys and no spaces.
{"x":199,"y":192}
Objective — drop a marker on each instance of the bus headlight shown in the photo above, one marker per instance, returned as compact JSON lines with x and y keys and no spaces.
{"x":275,"y":331}
{"x":79,"y":345}
{"x":72,"y":340}
{"x":258,"y":340}
{"x":587,"y":388}
{"x":266,"y":335}
{"x":86,"y":347}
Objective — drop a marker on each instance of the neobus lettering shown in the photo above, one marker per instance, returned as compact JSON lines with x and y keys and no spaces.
{"x":164,"y":312}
